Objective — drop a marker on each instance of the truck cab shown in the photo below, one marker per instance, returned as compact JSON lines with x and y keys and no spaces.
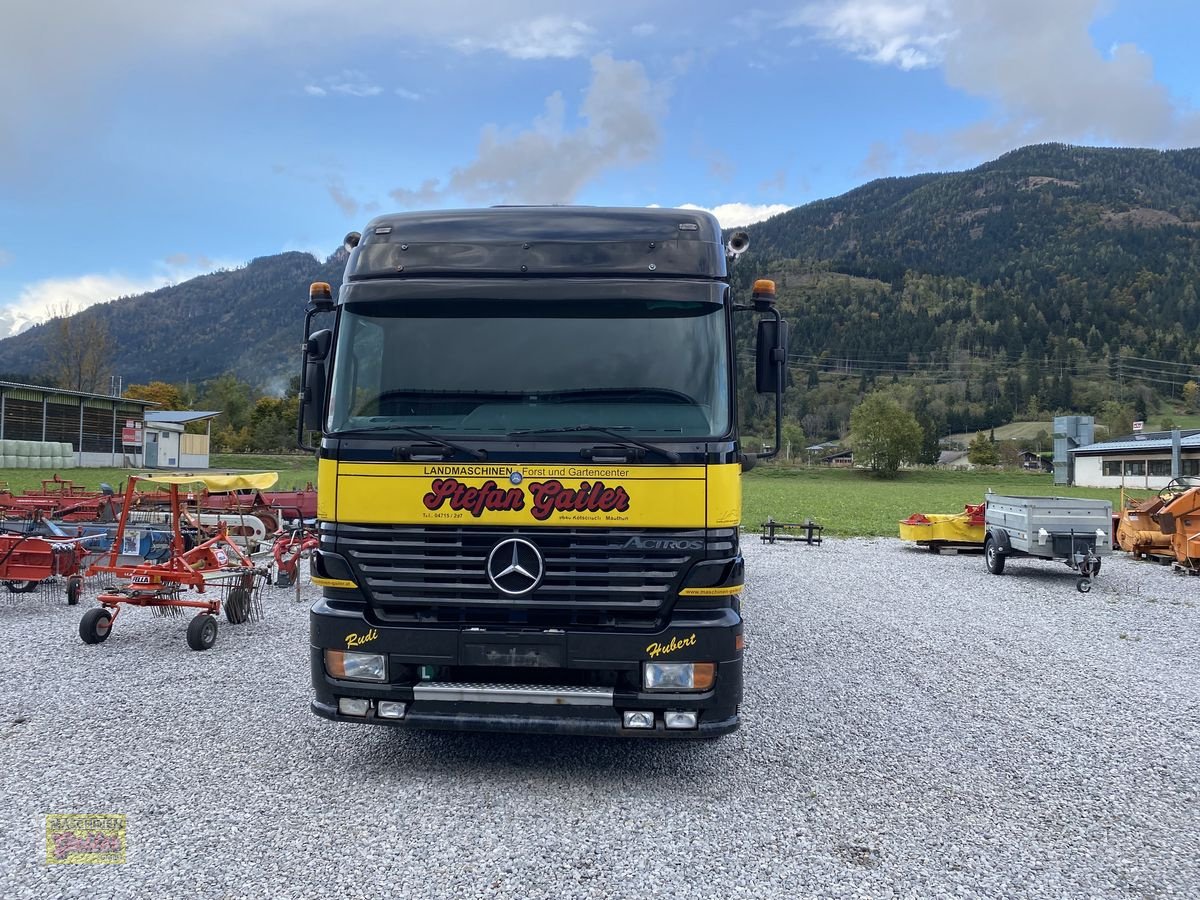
{"x":529,"y":472}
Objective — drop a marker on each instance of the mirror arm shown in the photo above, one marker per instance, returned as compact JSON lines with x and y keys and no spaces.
{"x":778,"y":357}
{"x":309,"y":311}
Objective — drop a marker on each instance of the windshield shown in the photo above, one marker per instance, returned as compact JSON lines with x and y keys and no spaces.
{"x":651,"y":367}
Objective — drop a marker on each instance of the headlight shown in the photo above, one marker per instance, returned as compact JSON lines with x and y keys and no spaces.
{"x":678,"y":676}
{"x":356,"y":666}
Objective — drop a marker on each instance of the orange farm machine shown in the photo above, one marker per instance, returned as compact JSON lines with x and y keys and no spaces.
{"x":201,"y":574}
{"x":1165,"y":527}
{"x":30,"y":560}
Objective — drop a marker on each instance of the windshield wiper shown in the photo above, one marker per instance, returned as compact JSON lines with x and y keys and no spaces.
{"x":670,"y":455}
{"x":419,"y":433}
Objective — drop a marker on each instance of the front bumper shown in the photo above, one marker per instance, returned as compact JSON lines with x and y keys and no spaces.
{"x":602,"y":667}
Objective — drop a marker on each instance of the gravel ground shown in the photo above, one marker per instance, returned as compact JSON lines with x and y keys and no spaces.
{"x":913,"y":727}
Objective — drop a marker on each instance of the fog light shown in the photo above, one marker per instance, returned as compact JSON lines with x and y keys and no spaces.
{"x":678,"y":676}
{"x":678,"y":718}
{"x":353,"y":706}
{"x":640,"y":719}
{"x":391,"y":709}
{"x":356,"y":666}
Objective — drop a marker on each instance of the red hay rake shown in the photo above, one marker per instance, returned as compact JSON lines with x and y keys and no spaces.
{"x":183,"y":580}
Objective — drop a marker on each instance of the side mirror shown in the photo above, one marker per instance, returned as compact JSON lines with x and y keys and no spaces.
{"x":771,"y":351}
{"x":312,"y":401}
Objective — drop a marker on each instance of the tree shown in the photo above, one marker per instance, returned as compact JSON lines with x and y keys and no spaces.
{"x":273,"y":423}
{"x":232,"y":397}
{"x":982,"y":451}
{"x":79,"y":350}
{"x":793,"y":441}
{"x":884,"y":434}
{"x":1117,"y":417}
{"x":1191,"y":396}
{"x":167,"y":396}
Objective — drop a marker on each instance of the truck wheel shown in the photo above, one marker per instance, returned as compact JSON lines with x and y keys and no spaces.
{"x":992,"y":556}
{"x":95,"y":626}
{"x":1083,"y":585}
{"x":202,"y":632}
{"x":20,"y":587}
{"x":237,"y":606}
{"x":74,"y":589}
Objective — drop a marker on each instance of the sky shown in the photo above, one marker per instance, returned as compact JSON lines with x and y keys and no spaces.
{"x":146,"y":142}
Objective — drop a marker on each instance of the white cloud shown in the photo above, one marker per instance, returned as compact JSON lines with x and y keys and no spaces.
{"x":1034,"y":62}
{"x":550,"y":162}
{"x":350,"y":83}
{"x":644,"y":29}
{"x":41,"y":300}
{"x":735,"y":215}
{"x":546,"y":37}
{"x":72,"y":56}
{"x":905,"y":33}
{"x":337,"y":192}
{"x":5,"y":257}
{"x":405,"y":94}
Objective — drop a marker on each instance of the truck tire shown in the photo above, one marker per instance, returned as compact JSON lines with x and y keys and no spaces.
{"x":992,"y":556}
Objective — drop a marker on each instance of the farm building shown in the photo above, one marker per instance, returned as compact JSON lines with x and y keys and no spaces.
{"x":169,"y":446}
{"x":1138,"y":460}
{"x":45,"y":426}
{"x":954,"y":459}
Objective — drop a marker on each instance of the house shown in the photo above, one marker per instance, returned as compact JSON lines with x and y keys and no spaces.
{"x":954,"y":459}
{"x":1033,"y":461}
{"x":1143,"y":460}
{"x":168,"y":445}
{"x":843,"y":459}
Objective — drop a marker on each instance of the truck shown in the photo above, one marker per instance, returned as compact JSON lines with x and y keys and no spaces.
{"x":529,"y":471}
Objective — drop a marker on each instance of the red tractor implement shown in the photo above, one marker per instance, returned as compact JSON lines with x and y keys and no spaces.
{"x":182,"y":580}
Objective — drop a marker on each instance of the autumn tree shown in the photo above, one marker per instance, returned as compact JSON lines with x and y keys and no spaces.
{"x":79,"y":350}
{"x":1191,"y":395}
{"x":167,"y":396}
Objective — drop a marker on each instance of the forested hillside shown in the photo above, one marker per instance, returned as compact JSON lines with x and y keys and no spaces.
{"x":246,"y":321}
{"x":1055,"y":278}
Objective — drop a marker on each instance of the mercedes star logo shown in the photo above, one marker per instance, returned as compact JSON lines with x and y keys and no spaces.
{"x":515,"y":566}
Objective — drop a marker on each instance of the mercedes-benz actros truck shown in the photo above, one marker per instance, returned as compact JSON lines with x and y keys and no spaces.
{"x":529,"y":472}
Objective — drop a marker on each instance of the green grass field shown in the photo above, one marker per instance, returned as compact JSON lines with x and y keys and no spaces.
{"x":851,"y":503}
{"x":294,"y":472}
{"x":1013,"y":431}
{"x":848,"y":502}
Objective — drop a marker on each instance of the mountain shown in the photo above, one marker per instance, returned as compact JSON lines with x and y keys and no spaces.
{"x":1053,"y":279}
{"x":1043,"y":246}
{"x":246,"y":320}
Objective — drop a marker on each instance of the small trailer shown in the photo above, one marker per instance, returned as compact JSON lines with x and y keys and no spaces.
{"x":1076,"y":530}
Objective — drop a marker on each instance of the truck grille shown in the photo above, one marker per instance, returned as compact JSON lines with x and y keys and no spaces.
{"x":630,"y":570}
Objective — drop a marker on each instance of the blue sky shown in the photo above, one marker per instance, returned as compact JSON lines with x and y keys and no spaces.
{"x":151,"y":141}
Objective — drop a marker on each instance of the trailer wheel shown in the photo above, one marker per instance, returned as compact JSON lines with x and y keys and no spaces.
{"x":74,"y":589}
{"x":95,"y":626}
{"x":20,"y":587}
{"x":202,"y":631}
{"x":237,"y":606}
{"x":1083,"y":585}
{"x":992,"y":556}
